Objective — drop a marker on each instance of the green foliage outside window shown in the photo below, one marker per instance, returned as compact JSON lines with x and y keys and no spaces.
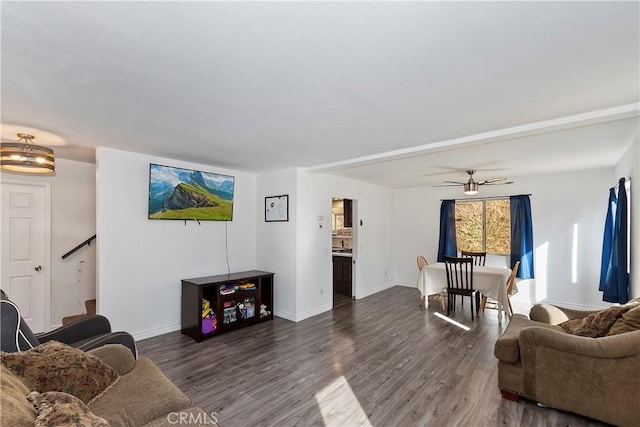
{"x":484,"y":226}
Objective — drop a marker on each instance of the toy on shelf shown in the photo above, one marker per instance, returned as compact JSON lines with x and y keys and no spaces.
{"x":263,"y":311}
{"x":230,"y":309}
{"x":247,"y":287}
{"x":209,"y":321}
{"x":247,"y":308}
{"x":227,"y":289}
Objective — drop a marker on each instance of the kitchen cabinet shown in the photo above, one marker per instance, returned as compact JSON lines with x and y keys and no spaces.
{"x":348,"y":212}
{"x":342,"y":270}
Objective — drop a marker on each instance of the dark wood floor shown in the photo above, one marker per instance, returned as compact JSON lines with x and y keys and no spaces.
{"x":379,"y":361}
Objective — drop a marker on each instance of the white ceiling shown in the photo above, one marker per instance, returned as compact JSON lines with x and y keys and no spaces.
{"x":257,"y":86}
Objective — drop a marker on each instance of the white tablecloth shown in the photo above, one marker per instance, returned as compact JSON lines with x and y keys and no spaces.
{"x":491,"y":281}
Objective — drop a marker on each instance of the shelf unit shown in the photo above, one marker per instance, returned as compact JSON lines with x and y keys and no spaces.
{"x":231,"y":311}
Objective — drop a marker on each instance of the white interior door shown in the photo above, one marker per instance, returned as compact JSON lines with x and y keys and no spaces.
{"x":25,"y":250}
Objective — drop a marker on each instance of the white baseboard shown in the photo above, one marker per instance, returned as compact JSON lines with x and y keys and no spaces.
{"x":518,"y":299}
{"x":407,"y":284}
{"x":314,"y":312}
{"x":370,"y":292}
{"x":150,"y":333}
{"x":571,"y":305}
{"x":285,"y":315}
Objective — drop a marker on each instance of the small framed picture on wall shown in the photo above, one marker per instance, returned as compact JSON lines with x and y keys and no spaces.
{"x":276,"y":208}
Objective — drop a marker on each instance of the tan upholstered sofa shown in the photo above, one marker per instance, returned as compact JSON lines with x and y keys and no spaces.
{"x":594,"y":377}
{"x":143,"y":396}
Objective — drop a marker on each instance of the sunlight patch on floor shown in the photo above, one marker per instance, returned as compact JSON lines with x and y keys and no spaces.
{"x":339,"y":406}
{"x":453,"y":322}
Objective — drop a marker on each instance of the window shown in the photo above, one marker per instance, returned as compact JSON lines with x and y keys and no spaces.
{"x":484,"y":226}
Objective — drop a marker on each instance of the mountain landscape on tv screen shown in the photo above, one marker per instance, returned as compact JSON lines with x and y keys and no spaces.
{"x":176,"y":193}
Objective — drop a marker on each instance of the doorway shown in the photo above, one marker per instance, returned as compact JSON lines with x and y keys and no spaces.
{"x":26,"y":249}
{"x":343,"y":248}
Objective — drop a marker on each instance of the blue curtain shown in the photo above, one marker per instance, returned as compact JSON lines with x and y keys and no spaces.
{"x":447,"y":243}
{"x":607,"y":241}
{"x":616,"y":286}
{"x":522,"y":235}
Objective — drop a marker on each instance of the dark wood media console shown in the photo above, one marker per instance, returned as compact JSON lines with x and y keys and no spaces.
{"x":216,"y":304}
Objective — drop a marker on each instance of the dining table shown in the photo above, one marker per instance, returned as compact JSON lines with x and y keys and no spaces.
{"x":490,"y":281}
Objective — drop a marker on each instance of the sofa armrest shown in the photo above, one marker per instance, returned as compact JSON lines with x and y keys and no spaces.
{"x":117,"y":356}
{"x":78,"y":331}
{"x":507,"y":347}
{"x":547,"y":313}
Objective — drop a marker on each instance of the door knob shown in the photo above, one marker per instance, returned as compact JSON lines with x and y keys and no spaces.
{"x":38,"y":268}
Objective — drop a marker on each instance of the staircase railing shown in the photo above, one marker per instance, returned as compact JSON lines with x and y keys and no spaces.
{"x":86,"y":242}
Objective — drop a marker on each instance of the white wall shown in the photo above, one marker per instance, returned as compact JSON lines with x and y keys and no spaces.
{"x":629,"y":167}
{"x":141,"y":262}
{"x":372,"y":252}
{"x":558,"y":201}
{"x":73,"y":210}
{"x":299,"y":251}
{"x":276,"y":241}
{"x":73,"y":220}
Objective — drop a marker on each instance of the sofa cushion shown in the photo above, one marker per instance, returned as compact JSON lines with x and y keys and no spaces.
{"x":141,"y":396}
{"x":54,"y":366}
{"x":16,"y":410}
{"x":596,"y":324}
{"x":630,"y":321}
{"x":117,"y":356}
{"x":58,"y":409}
{"x":507,"y":347}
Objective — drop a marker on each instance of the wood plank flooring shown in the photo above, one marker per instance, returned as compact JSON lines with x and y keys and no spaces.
{"x":379,"y":361}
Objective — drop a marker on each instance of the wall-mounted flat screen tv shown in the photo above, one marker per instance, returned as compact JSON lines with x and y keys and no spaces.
{"x":176,"y":193}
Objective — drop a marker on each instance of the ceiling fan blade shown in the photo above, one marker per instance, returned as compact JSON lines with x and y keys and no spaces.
{"x":455,"y":182}
{"x":492,"y":180}
{"x":447,"y":185}
{"x":497,"y":183}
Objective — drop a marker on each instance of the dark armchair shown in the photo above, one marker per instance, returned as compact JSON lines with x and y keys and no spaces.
{"x":86,"y":334}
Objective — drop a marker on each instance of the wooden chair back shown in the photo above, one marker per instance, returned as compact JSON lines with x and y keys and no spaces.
{"x":510,"y":283}
{"x":460,"y":282}
{"x":479,"y":258}
{"x":512,"y":278}
{"x":422,"y":262}
{"x":459,"y":273}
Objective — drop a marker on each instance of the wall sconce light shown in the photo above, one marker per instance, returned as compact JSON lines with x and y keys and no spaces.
{"x":25,"y":157}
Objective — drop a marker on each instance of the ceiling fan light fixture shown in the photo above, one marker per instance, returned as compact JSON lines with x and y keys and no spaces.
{"x":471,"y":188}
{"x":25,"y":157}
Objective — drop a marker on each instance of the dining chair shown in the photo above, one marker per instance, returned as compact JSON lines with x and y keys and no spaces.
{"x":479,"y":258}
{"x":460,"y":282}
{"x":492,"y":304}
{"x":422,"y":262}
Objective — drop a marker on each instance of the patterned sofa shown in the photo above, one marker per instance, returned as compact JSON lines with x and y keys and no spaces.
{"x":139,"y":394}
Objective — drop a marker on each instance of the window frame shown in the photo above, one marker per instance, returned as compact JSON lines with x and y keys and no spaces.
{"x":484,"y":220}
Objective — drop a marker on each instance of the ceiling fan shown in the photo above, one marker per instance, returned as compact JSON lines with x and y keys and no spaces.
{"x":471,"y":186}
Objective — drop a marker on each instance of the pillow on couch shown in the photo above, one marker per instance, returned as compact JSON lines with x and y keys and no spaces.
{"x":58,"y":409}
{"x":630,"y":321}
{"x":596,"y":324}
{"x":15,"y":409}
{"x":54,"y":366}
